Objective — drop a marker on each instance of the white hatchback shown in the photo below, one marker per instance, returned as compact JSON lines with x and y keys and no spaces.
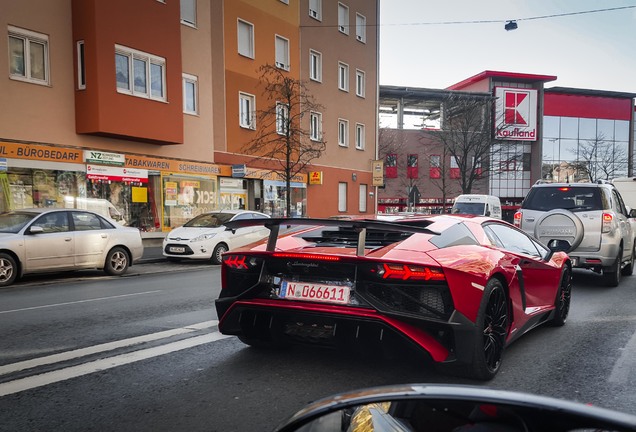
{"x":205,"y":237}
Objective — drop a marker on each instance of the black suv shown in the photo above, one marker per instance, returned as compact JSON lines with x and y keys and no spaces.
{"x":592,"y":217}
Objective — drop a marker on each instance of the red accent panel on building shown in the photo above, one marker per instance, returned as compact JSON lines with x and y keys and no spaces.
{"x":569,"y":105}
{"x":150,"y":27}
{"x":507,"y":76}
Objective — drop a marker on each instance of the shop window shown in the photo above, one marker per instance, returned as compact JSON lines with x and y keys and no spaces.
{"x":342,"y":197}
{"x":185,"y":197}
{"x":454,"y":168}
{"x":390,"y":168}
{"x":435,"y":170}
{"x":411,"y":166}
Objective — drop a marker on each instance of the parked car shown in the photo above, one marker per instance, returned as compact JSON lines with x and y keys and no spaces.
{"x":455,"y":287}
{"x":50,"y":240}
{"x":592,"y":217}
{"x":206,"y":237}
{"x":482,"y":205}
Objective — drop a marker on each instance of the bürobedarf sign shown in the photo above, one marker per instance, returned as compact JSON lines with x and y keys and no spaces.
{"x":516,"y":114}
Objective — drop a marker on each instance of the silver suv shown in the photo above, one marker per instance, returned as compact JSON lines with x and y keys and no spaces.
{"x":592,"y":217}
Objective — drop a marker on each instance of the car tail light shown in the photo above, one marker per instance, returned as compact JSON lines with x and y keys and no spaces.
{"x":409,"y":272}
{"x":607,"y":222}
{"x":517,"y":219}
{"x":241,"y":262}
{"x":315,"y":257}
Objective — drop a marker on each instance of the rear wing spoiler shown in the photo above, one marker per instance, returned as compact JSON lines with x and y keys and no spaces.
{"x":358,"y":225}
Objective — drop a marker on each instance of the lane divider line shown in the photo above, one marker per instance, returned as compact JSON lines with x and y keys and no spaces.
{"x":82,"y":352}
{"x":35,"y":381}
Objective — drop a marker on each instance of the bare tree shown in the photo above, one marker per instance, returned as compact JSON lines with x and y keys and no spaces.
{"x":599,"y":159}
{"x":466,"y":135}
{"x":283,"y":141}
{"x":441,"y":178}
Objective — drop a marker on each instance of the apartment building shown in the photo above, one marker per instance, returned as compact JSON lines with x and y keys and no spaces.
{"x":140,"y":103}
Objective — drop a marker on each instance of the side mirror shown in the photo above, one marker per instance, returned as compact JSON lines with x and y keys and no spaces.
{"x":487,"y":213}
{"x":35,"y":229}
{"x":632,"y":213}
{"x":557,"y":245}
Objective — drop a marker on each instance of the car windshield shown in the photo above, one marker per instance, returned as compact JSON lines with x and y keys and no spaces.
{"x":469,"y":208}
{"x":568,"y":198}
{"x":209,"y":220}
{"x":13,"y":222}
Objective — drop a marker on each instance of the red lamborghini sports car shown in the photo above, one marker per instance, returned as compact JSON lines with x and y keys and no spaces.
{"x":458,"y":288}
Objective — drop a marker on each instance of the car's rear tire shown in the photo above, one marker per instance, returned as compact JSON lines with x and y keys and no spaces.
{"x":628,"y":270}
{"x":8,"y":270}
{"x":492,"y":330}
{"x":612,"y":275}
{"x":562,"y":302}
{"x":217,"y":253}
{"x":117,"y":261}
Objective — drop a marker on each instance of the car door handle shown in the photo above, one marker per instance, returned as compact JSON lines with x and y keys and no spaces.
{"x":530,"y":219}
{"x":68,"y":239}
{"x":104,"y":235}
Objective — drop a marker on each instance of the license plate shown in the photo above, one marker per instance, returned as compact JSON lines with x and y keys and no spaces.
{"x":575,"y":261}
{"x":315,"y":292}
{"x":177,"y":249}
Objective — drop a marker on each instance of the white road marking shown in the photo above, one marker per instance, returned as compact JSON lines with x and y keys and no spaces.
{"x":69,"y":355}
{"x":625,"y":364}
{"x":77,"y":302}
{"x":104,"y":364}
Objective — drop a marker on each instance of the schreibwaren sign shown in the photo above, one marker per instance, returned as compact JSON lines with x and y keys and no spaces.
{"x":516,"y":114}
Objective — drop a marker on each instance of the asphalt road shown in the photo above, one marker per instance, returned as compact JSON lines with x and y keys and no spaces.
{"x":142,"y":353}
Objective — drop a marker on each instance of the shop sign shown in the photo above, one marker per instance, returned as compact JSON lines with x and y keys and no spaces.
{"x":116,"y":174}
{"x":39,"y":152}
{"x":516,"y":114}
{"x":104,"y":158}
{"x":378,"y":172}
{"x":231,"y":183}
{"x":315,"y":177}
{"x":238,"y":170}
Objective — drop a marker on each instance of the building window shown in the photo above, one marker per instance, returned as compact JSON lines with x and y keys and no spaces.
{"x":28,"y":56}
{"x":361,"y":28}
{"x":282,"y":118}
{"x":360,"y":82}
{"x":435,"y":170}
{"x":315,"y":126}
{"x":81,"y":66}
{"x":245,"y":39}
{"x":189,"y":12}
{"x":343,"y":133}
{"x":343,"y":19}
{"x":285,"y":1}
{"x":190,"y":99}
{"x":411,"y":166}
{"x":247,"y":106}
{"x":343,"y":76}
{"x":315,"y":9}
{"x":140,"y":74}
{"x":342,"y":197}
{"x":315,"y":66}
{"x":282,"y":53}
{"x":362,"y":207}
{"x":454,"y":168}
{"x":390,"y":168}
{"x":359,"y":136}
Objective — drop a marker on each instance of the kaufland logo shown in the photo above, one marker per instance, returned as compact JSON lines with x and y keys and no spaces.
{"x":516,"y":114}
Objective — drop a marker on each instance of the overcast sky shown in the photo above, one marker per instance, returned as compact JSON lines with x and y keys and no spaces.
{"x":590,"y":50}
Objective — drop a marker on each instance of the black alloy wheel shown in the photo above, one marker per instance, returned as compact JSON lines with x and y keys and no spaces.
{"x":492,"y":325}
{"x":562,"y":303}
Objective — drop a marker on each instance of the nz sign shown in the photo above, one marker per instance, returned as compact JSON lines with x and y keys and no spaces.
{"x":516,"y":114}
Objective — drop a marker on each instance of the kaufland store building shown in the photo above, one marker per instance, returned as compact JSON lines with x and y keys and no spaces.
{"x":548,"y":128}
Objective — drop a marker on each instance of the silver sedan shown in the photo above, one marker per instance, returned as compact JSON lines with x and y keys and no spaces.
{"x":50,"y":240}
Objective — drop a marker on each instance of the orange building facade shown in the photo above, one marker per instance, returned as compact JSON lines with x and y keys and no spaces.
{"x":138,"y":103}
